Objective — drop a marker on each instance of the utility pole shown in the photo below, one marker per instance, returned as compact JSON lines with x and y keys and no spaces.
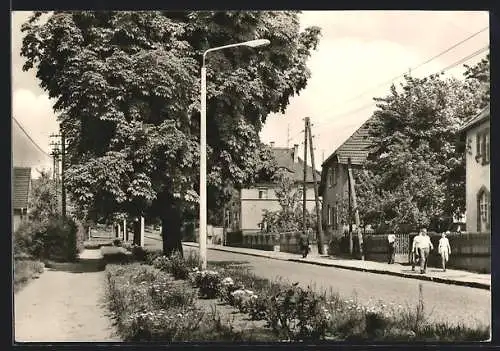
{"x":304,"y":188}
{"x":63,"y":164}
{"x":356,"y":211}
{"x":349,"y":213}
{"x":55,"y":154}
{"x":322,"y":248}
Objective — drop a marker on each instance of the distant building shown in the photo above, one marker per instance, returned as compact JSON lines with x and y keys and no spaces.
{"x":248,"y":205}
{"x":21,"y":186}
{"x":477,"y":170}
{"x":334,"y":177}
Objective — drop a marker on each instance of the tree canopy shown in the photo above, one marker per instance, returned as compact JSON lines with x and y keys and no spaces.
{"x":126,"y":86}
{"x":416,"y":174}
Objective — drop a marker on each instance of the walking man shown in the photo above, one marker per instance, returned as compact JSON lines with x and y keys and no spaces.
{"x":391,"y":238}
{"x":444,"y":249}
{"x":425,"y":248}
{"x":304,"y":244}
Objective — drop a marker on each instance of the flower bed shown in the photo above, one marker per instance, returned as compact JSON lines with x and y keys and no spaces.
{"x":294,"y":313}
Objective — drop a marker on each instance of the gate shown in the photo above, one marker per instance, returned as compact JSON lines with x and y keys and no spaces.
{"x":402,"y":248}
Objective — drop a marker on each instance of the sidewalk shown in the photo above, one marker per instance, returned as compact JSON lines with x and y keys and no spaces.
{"x":451,"y":276}
{"x":67,"y":303}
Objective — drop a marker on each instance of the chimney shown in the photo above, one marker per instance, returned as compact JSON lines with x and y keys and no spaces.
{"x":295,"y":153}
{"x":272,"y":144}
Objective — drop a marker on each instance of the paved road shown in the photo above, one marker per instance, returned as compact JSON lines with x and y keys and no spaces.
{"x":443,"y":303}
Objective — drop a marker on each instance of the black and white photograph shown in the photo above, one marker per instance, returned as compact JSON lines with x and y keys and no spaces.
{"x":246,"y":176}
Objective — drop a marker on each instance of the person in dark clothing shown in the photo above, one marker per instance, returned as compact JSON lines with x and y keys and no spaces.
{"x":304,"y":244}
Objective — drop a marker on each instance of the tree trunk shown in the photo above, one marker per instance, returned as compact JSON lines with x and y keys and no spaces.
{"x":171,"y":230}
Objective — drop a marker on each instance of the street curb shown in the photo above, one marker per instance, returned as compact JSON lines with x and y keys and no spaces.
{"x":412,"y":276}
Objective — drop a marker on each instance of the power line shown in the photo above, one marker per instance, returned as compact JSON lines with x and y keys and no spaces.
{"x":418,"y":66}
{"x":456,"y":63}
{"x":29,"y":137}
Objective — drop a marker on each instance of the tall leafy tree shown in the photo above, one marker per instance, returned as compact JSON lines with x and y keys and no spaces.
{"x":416,"y":175}
{"x":126,"y":85}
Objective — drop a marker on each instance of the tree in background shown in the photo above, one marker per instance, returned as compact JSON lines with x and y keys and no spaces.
{"x":126,"y":85}
{"x":43,"y":202}
{"x":416,"y":175}
{"x":290,"y":217}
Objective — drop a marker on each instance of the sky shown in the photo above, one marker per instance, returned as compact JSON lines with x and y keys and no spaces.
{"x":358,"y":51}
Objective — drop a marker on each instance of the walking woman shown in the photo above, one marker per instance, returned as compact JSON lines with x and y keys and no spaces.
{"x":444,"y":249}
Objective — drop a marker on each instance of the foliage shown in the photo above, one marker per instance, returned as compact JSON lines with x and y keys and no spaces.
{"x":24,"y":271}
{"x":126,"y":84}
{"x":290,"y":217}
{"x":416,"y":174}
{"x":208,"y":282}
{"x":43,"y":198}
{"x":55,"y":239}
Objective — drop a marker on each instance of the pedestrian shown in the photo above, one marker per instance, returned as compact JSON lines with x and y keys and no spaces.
{"x":444,"y":249}
{"x":415,"y":251}
{"x":304,"y":244}
{"x":391,"y":239}
{"x":425,"y":248}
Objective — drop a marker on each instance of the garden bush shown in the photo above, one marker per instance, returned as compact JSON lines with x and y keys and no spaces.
{"x":54,"y":239}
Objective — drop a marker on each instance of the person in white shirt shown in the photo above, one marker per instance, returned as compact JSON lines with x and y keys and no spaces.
{"x":421,"y":246}
{"x":391,"y":239}
{"x":425,"y":248}
{"x":444,"y":249}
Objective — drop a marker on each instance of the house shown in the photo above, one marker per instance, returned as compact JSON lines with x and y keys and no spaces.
{"x":477,"y":170}
{"x":248,"y":205}
{"x":21,"y":186}
{"x":334,"y":178}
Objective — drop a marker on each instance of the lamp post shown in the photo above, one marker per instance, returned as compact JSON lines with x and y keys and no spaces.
{"x":203,"y":145}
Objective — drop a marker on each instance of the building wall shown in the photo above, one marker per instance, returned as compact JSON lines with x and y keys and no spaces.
{"x":477,"y":176}
{"x":252,"y":207}
{"x":333,"y":197}
{"x":16,"y":221}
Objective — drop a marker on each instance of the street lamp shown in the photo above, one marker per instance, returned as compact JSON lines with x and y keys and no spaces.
{"x":203,"y":145}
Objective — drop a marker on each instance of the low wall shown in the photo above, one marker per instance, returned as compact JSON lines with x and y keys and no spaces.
{"x":283,"y":242}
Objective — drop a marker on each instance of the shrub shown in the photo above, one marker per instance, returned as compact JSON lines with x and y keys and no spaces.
{"x":54,"y":239}
{"x":28,"y":240}
{"x":178,"y":266}
{"x":298,"y":314}
{"x":208,"y":283}
{"x":24,"y":271}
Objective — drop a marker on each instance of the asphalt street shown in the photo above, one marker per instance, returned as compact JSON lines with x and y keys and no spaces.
{"x":443,"y":303}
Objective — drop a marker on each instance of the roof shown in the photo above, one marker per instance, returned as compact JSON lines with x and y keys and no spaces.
{"x":284,"y":159}
{"x":21,"y":184}
{"x":483,"y":115}
{"x":356,"y":147}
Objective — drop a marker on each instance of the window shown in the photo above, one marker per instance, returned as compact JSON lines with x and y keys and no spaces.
{"x":332,"y":216}
{"x":263,"y":193}
{"x":332,"y":181}
{"x":483,"y":147}
{"x":483,"y":206}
